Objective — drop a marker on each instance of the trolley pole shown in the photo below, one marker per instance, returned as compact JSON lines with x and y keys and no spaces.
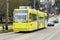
{"x":7,"y":12}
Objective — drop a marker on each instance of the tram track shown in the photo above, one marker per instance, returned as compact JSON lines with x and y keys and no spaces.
{"x":16,"y":35}
{"x":24,"y":36}
{"x":42,"y":34}
{"x":9,"y":35}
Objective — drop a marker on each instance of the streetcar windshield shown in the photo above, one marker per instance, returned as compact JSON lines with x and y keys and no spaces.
{"x":21,"y":16}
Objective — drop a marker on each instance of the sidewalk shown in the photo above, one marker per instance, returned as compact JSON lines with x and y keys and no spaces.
{"x":3,"y":27}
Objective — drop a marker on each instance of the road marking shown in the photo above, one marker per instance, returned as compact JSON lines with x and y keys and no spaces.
{"x":24,"y":37}
{"x":52,"y":35}
{"x":21,"y":37}
{"x":8,"y":37}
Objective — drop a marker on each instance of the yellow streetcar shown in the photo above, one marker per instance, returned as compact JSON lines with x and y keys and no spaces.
{"x":28,"y":20}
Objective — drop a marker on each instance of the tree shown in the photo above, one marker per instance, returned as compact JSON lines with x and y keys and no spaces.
{"x":13,"y":4}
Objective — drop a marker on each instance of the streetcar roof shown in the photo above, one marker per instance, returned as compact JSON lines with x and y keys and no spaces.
{"x":19,"y":9}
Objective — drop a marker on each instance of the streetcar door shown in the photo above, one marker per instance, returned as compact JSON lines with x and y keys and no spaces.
{"x":33,"y":20}
{"x":46,"y":20}
{"x":41,"y":22}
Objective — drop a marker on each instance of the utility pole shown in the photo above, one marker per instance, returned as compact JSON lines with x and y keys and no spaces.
{"x":48,"y":7}
{"x":7,"y":12}
{"x":34,"y":3}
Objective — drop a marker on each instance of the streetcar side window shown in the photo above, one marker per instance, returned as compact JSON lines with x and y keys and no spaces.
{"x":33,"y":17}
{"x":46,"y":18}
{"x":41,"y":19}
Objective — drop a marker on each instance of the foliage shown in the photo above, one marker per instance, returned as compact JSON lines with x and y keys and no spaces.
{"x":13,"y":4}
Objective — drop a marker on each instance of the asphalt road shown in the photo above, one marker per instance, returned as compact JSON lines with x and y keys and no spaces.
{"x":50,"y":33}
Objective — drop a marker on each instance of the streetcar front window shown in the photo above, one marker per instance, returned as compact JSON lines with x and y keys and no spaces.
{"x":21,"y":16}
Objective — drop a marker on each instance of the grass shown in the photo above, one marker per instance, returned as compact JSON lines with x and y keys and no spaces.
{"x":6,"y":31}
{"x":2,"y":24}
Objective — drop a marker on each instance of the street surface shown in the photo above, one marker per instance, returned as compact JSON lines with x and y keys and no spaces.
{"x":50,"y":33}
